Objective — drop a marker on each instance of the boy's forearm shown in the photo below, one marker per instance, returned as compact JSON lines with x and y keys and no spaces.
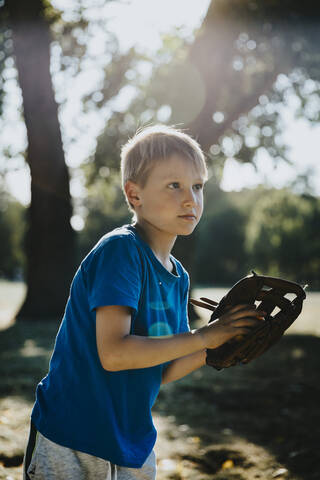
{"x":134,"y":351}
{"x":127,"y":351}
{"x":181,"y":367}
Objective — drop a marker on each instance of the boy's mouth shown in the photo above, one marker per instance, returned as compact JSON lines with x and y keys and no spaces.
{"x":188,"y":217}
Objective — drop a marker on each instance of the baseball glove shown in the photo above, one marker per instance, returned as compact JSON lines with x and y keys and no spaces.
{"x":271,"y":293}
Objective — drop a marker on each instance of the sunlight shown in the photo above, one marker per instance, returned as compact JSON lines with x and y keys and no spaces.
{"x":142,"y":24}
{"x":303,"y":141}
{"x":138,"y":23}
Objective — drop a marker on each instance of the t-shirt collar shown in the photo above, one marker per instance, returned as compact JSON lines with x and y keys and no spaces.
{"x":168,"y":276}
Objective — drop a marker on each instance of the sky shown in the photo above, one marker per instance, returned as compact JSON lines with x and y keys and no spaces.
{"x":303,"y":141}
{"x":140,"y":23}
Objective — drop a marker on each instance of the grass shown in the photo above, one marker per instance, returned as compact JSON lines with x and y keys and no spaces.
{"x":242,"y":423}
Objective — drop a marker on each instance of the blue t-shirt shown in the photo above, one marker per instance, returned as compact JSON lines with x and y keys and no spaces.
{"x":79,"y":404}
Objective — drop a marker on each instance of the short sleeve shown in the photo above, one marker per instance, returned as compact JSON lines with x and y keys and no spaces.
{"x":113,"y":275}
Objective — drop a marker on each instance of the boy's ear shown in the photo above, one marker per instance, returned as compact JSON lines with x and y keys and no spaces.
{"x":133,"y":193}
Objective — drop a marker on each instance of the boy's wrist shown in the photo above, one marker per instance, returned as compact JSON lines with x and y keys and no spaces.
{"x":201,"y":336}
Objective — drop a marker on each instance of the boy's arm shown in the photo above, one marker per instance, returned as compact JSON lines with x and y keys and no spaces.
{"x":118,"y":350}
{"x":183,"y":366}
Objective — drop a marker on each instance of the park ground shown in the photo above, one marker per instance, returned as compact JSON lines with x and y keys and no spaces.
{"x":259,"y":421}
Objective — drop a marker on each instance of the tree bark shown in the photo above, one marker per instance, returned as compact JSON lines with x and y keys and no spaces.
{"x":50,"y":238}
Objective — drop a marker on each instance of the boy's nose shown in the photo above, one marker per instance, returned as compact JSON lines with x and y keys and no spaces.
{"x":189,"y":198}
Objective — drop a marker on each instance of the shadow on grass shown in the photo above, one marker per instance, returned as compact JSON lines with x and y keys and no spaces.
{"x":25,"y":350}
{"x":272,"y":402}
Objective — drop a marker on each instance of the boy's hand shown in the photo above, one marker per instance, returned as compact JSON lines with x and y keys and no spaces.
{"x":237,"y":321}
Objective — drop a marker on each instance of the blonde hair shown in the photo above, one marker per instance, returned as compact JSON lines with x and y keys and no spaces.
{"x":151,"y":145}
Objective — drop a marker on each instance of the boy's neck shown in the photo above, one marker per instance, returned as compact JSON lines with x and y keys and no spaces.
{"x":160,"y":243}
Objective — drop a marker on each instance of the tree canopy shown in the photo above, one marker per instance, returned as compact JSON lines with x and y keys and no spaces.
{"x":226,"y":85}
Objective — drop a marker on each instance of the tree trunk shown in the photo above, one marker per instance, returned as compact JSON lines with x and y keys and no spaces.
{"x":50,"y":237}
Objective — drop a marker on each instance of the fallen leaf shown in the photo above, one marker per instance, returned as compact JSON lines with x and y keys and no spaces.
{"x":227,"y":464}
{"x":279,"y":473}
{"x":168,"y":464}
{"x":196,"y":440}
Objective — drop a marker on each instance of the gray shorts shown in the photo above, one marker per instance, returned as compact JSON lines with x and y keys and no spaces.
{"x":50,"y":461}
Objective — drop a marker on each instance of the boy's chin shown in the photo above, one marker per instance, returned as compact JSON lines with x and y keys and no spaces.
{"x":186,"y":231}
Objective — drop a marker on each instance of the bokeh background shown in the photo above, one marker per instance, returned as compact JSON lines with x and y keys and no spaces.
{"x":77,"y":78}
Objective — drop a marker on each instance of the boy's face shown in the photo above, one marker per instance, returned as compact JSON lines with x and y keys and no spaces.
{"x":172,"y":198}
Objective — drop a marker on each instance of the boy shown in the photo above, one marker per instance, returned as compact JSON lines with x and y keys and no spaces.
{"x":125,"y":329}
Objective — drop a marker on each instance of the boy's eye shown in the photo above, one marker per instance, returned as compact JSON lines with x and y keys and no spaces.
{"x":198,"y":186}
{"x":174,"y":185}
